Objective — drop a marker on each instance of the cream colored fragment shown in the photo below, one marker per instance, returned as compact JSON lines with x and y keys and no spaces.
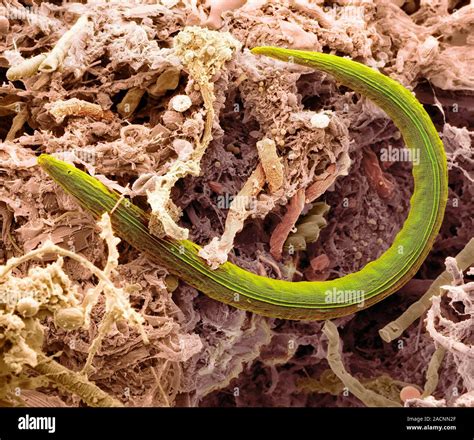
{"x":183,"y":148}
{"x":130,"y":101}
{"x":77,"y":107}
{"x":55,"y":58}
{"x":26,"y":69}
{"x":163,"y":219}
{"x":16,"y":332}
{"x":432,"y":375}
{"x":320,"y":120}
{"x":368,"y":397}
{"x":45,"y":288}
{"x":18,"y":342}
{"x":203,"y":53}
{"x":216,"y":252}
{"x":271,"y":163}
{"x":107,"y":234}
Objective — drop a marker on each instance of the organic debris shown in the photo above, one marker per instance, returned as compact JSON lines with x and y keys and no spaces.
{"x":163,"y":102}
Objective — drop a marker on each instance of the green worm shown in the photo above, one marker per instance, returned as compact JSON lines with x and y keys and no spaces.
{"x":299,"y":300}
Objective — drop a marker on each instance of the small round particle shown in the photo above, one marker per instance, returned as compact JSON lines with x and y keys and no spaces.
{"x":171,"y":283}
{"x":181,"y":103}
{"x":226,"y":53}
{"x":69,"y":318}
{"x":320,"y":120}
{"x":211,"y":50}
{"x":283,"y":132}
{"x":409,"y":392}
{"x":27,"y":307}
{"x":189,"y":56}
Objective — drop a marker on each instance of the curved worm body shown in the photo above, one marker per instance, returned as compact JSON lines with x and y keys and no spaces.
{"x":300,"y":300}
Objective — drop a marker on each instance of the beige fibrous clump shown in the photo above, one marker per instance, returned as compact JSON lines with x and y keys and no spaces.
{"x":216,"y":252}
{"x":270,"y":171}
{"x":49,"y":291}
{"x":271,"y":163}
{"x":203,"y":53}
{"x":55,"y":58}
{"x":77,"y":107}
{"x":51,"y":61}
{"x":20,"y":340}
